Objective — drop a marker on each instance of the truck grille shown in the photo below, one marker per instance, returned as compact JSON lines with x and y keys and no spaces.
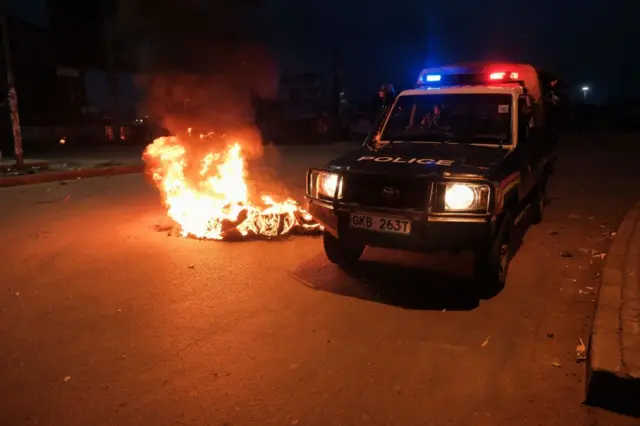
{"x":367,"y":190}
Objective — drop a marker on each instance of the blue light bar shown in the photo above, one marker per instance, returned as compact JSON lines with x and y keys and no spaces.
{"x":432,"y":78}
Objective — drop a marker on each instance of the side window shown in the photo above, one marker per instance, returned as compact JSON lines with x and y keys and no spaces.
{"x":522,"y":104}
{"x":525,"y":118}
{"x":525,"y":109}
{"x":401,"y":115}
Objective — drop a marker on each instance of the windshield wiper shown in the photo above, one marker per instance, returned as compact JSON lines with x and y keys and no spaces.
{"x":501,"y":140}
{"x":445,"y":138}
{"x":420,"y":137}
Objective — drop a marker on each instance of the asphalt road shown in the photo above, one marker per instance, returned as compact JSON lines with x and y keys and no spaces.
{"x":104,"y":321}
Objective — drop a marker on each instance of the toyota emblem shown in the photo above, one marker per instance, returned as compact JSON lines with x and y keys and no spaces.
{"x":390,"y":193}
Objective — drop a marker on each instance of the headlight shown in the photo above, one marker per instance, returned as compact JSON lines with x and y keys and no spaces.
{"x":324,"y":184}
{"x":464,"y":197}
{"x":328,"y":184}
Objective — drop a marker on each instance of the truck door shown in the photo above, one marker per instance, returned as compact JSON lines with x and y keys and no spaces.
{"x":540,"y":140}
{"x":529,"y":153}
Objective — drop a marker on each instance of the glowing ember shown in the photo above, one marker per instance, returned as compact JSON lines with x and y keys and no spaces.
{"x":208,"y":197}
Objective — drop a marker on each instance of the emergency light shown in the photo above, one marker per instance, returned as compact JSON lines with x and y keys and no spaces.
{"x":429,"y":78}
{"x":502,"y":76}
{"x":433,"y":78}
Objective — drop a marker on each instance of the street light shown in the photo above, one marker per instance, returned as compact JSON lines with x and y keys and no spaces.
{"x":585,"y":90}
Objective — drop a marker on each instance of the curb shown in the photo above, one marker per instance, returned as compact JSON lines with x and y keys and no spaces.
{"x":613,"y":363}
{"x":46,"y":177}
{"x":28,"y":163}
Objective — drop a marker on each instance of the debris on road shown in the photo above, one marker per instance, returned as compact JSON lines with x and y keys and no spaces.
{"x":486,"y":342}
{"x":581,"y":352}
{"x":164,"y":225}
{"x":556,"y":364}
{"x":67,"y":378}
{"x":553,"y":233}
{"x":550,"y":335}
{"x":164,"y":228}
{"x":592,"y":252}
{"x":566,"y":254}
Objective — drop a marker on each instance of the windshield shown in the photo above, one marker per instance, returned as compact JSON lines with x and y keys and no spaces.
{"x":467,"y":118}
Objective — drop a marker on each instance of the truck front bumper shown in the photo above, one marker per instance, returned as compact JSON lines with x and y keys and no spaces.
{"x":429,"y":233}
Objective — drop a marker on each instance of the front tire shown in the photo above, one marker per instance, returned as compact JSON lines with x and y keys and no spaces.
{"x":491,"y":262}
{"x":339,"y":252}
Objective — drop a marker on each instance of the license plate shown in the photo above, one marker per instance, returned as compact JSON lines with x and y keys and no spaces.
{"x":380,"y":223}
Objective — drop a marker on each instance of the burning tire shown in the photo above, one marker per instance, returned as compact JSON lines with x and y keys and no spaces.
{"x":250,"y":226}
{"x":206,"y":193}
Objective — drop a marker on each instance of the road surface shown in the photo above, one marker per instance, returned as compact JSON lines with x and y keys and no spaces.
{"x":104,"y":321}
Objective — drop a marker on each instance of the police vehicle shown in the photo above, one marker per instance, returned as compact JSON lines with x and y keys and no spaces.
{"x":452,"y":165}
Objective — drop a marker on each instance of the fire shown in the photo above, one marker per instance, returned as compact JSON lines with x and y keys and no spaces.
{"x":207,"y":195}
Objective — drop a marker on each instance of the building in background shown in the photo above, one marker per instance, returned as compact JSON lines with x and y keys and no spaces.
{"x":63,"y":59}
{"x":87,"y":41}
{"x":33,"y":63}
{"x":46,"y":65}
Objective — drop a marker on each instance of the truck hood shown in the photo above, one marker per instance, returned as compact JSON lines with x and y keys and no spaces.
{"x":422,"y":158}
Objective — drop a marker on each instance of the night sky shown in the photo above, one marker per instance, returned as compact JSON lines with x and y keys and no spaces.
{"x":583,"y":40}
{"x":380,"y":41}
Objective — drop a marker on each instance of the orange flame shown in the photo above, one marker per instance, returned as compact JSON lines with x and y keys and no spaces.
{"x":213,"y":201}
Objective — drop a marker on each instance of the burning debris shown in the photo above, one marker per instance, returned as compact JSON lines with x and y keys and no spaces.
{"x":207,"y":196}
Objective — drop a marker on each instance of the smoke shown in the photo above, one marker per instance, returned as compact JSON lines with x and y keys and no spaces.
{"x":200,"y":66}
{"x":219,"y":100}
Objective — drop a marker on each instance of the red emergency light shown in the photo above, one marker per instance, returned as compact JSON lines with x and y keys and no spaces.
{"x":502,"y":76}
